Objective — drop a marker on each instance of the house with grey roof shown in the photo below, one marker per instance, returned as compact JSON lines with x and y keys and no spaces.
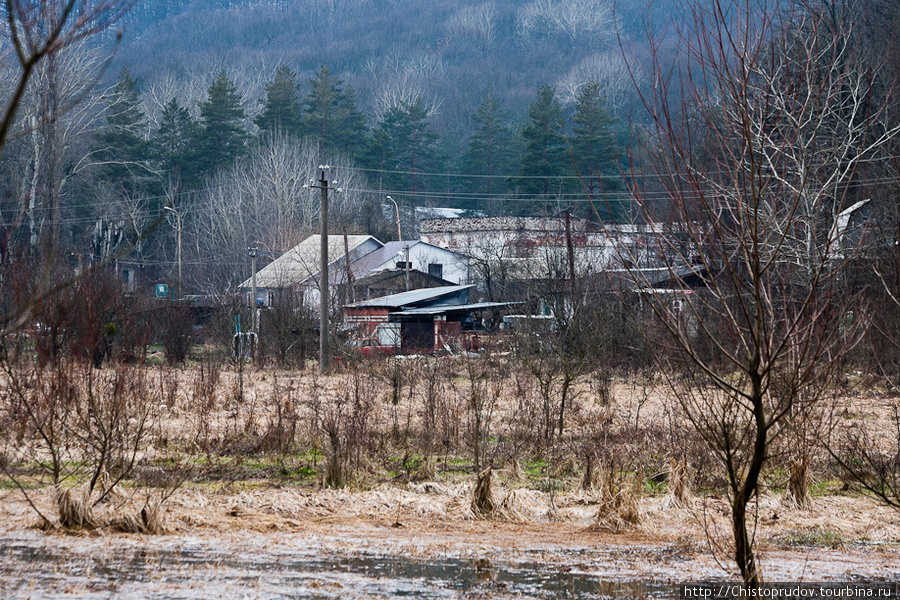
{"x":353,"y":261}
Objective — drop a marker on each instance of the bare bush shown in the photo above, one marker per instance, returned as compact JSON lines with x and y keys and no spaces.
{"x":871,"y":457}
{"x":174,"y":325}
{"x":481,"y":390}
{"x":87,"y":428}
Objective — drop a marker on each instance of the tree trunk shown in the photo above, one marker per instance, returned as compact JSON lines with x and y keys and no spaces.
{"x":743,"y":548}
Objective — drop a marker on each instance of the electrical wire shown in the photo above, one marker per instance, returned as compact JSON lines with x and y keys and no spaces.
{"x":578,"y":197}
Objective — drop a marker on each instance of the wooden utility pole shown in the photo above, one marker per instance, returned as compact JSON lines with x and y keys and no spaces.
{"x":323,"y":278}
{"x":254,"y":325}
{"x":324,"y":295}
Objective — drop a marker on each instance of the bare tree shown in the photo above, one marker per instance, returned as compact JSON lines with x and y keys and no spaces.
{"x":30,"y":35}
{"x":63,"y":107}
{"x":264,"y":199}
{"x":608,"y":68}
{"x":400,"y":80}
{"x":759,"y":173}
{"x":575,"y":18}
{"x":479,"y":20}
{"x":37,"y":31}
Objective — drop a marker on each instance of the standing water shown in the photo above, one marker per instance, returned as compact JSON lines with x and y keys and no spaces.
{"x":34,"y":566}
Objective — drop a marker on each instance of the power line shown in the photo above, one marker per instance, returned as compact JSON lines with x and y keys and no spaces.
{"x":565,"y":197}
{"x":618,"y":175}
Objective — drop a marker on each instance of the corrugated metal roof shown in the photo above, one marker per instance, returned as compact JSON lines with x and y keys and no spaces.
{"x":302,"y":261}
{"x":412,"y":297}
{"x":436,"y":310}
{"x":372,"y":260}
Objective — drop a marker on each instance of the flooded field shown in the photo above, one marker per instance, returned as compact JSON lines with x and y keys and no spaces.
{"x":35,"y":566}
{"x":376,"y":563}
{"x":250,"y":523}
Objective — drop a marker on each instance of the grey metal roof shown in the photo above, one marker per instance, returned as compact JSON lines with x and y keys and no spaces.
{"x":653,"y":275}
{"x":391,"y":250}
{"x":302,"y":261}
{"x":436,"y":310}
{"x":411,"y":297}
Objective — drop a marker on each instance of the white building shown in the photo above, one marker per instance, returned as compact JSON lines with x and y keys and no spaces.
{"x":298,"y":268}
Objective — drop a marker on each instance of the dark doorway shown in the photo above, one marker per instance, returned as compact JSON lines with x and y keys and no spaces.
{"x":418,"y":336}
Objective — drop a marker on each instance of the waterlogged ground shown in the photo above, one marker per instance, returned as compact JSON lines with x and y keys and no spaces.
{"x":260,"y":539}
{"x":292,"y":567}
{"x":232,"y":549}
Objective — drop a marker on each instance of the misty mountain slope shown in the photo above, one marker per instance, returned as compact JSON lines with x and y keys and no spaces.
{"x":448,"y":53}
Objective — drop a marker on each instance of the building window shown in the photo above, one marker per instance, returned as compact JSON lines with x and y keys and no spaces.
{"x":436,"y":270}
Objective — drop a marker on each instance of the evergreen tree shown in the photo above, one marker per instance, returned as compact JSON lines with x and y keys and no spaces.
{"x":413,"y":140}
{"x":330,"y":115}
{"x":593,"y":143}
{"x":282,"y":110}
{"x":120,"y":147}
{"x":221,"y":136}
{"x":490,"y":150}
{"x":545,"y":157}
{"x":381,"y":158}
{"x":173,"y":144}
{"x":404,"y":142}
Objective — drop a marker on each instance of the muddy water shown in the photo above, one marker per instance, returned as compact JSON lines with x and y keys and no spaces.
{"x":39,"y":567}
{"x":370,"y":561}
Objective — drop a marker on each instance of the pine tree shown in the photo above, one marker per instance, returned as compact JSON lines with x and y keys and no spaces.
{"x":282,"y":109}
{"x":381,"y":158}
{"x":221,"y":136}
{"x":120,"y":147}
{"x":173,"y":144}
{"x":545,"y":157}
{"x":412,"y":139}
{"x":593,"y":143}
{"x":403,"y":142}
{"x":490,"y":150}
{"x":330,"y":115}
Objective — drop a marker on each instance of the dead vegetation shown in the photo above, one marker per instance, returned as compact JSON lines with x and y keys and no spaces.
{"x":300,"y":447}
{"x":483,"y":496}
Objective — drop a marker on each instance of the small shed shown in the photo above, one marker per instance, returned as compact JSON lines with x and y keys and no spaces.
{"x":424,"y":321}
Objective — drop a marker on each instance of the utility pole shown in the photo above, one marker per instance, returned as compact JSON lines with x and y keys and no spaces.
{"x":254,"y":324}
{"x":324,"y":362}
{"x":406,"y":265}
{"x":323,"y":283}
{"x":178,"y":226}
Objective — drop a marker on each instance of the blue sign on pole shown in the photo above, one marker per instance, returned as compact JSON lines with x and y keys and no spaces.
{"x":162,"y":290}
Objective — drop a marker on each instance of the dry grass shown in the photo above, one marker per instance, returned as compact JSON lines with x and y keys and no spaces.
{"x":199,"y":420}
{"x":678,"y":494}
{"x":74,"y":509}
{"x":619,"y":507}
{"x":483,"y":496}
{"x":148,"y":519}
{"x":797,"y":493}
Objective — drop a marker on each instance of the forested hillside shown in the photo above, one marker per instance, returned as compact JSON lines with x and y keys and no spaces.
{"x":207,"y":120}
{"x":447,"y":53}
